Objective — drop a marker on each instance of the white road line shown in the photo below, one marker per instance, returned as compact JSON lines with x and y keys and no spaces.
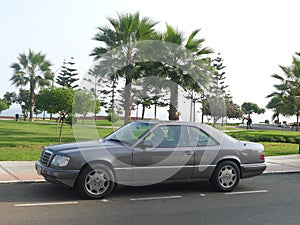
{"x":45,"y":204}
{"x":246,"y":192}
{"x":155,"y":198}
{"x":203,"y":195}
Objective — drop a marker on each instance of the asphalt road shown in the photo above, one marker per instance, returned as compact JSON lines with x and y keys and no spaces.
{"x":268,"y":199}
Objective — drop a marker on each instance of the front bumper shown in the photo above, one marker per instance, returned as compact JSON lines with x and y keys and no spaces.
{"x":63,"y":177}
{"x":250,"y":170}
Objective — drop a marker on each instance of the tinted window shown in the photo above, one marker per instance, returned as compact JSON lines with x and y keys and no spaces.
{"x":199,"y":138}
{"x":169,"y":137}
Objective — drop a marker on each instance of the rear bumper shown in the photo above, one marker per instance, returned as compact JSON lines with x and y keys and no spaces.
{"x":64,"y":177}
{"x":250,"y":170}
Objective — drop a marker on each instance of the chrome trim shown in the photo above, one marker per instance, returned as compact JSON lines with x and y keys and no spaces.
{"x":46,"y":157}
{"x":162,"y":167}
{"x":253,"y":165}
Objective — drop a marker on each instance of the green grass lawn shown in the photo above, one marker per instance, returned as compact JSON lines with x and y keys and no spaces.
{"x":276,"y":142}
{"x":274,"y":148}
{"x":25,"y":141}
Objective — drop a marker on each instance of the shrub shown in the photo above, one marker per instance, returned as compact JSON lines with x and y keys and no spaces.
{"x":261,"y":137}
{"x":113,"y":117}
{"x":71,"y":120}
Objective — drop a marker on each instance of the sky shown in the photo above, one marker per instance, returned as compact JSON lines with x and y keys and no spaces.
{"x":254,"y":37}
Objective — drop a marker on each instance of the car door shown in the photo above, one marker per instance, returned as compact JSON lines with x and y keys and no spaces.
{"x":169,"y":157}
{"x":206,"y":149}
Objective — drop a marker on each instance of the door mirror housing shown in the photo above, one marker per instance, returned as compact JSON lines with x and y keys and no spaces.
{"x":146,"y":144}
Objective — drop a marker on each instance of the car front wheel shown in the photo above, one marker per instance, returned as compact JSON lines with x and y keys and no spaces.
{"x":96,"y":181}
{"x":226,"y":176}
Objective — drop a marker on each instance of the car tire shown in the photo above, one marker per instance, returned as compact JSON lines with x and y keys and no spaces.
{"x":226,"y":176}
{"x":95,"y":181}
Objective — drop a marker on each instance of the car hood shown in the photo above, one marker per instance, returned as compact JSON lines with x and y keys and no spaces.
{"x":81,"y":146}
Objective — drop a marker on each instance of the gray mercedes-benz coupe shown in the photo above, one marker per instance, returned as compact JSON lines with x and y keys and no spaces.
{"x":145,"y":153}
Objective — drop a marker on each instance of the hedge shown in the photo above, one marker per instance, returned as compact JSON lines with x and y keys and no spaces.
{"x":261,"y":137}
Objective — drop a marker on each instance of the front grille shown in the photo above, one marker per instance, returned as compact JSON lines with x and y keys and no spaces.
{"x":46,"y":157}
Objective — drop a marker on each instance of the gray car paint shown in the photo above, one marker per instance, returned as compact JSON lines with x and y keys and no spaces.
{"x":140,"y":166}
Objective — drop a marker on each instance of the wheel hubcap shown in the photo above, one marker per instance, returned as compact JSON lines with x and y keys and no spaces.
{"x":227,"y":176}
{"x":97,"y":182}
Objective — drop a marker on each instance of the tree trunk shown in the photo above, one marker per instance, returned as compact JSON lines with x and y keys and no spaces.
{"x":155,"y":111}
{"x":143,"y":111}
{"x":297,"y":123}
{"x":128,"y":100}
{"x":31,"y":102}
{"x":60,"y":130}
{"x":191,"y":110}
{"x":194,"y":111}
{"x":173,"y":115}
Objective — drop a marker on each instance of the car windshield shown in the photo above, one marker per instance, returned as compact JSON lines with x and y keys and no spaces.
{"x":129,"y":134}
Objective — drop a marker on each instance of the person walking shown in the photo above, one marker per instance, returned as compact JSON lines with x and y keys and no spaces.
{"x":249,"y":122}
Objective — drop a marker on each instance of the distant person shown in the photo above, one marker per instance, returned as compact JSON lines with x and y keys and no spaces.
{"x":249,"y":122}
{"x":17,"y":117}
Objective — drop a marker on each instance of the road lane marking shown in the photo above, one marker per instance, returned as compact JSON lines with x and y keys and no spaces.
{"x":246,"y":192}
{"x":45,"y":204}
{"x":156,"y":198}
{"x":203,"y":195}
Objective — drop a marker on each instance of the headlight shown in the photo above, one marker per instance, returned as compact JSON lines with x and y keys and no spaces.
{"x":60,"y":160}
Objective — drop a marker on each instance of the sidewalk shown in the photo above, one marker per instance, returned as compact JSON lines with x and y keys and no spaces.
{"x":24,"y":171}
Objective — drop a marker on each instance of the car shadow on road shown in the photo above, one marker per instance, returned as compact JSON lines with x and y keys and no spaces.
{"x":35,"y":192}
{"x":46,"y":192}
{"x":162,"y":189}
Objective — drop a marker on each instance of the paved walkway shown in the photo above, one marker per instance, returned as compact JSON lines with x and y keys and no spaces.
{"x":24,"y":171}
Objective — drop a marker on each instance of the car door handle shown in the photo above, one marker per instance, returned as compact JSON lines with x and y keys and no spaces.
{"x":187,"y":153}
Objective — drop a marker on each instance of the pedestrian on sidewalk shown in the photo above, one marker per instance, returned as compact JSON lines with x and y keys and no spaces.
{"x":249,"y":122}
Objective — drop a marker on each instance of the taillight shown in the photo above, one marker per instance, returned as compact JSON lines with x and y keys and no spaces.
{"x":262,"y":156}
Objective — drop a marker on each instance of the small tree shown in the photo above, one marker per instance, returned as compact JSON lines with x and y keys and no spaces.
{"x":233,"y":110}
{"x":59,"y":100}
{"x":11,"y":97}
{"x":216,"y":99}
{"x":83,"y":103}
{"x":3,"y":105}
{"x":45,"y":101}
{"x":95,"y":80}
{"x":249,"y":107}
{"x":24,"y":100}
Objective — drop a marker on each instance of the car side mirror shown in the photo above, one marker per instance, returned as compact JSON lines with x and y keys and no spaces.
{"x":146,"y":144}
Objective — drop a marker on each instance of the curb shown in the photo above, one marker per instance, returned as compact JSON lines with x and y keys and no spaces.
{"x":22,"y":181}
{"x":280,"y":172}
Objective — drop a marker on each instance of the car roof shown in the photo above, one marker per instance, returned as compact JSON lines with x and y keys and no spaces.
{"x":170,"y":122}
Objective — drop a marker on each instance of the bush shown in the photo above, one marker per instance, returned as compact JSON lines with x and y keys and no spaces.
{"x":71,"y":120}
{"x":113,"y":117}
{"x":263,"y":137}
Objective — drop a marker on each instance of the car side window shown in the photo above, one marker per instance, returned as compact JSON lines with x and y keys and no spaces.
{"x":200,"y":138}
{"x":156,"y":137}
{"x":171,"y":136}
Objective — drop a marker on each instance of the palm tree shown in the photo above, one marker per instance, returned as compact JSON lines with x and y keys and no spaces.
{"x":183,"y":54}
{"x":32,"y":69}
{"x":124,"y":32}
{"x":286,"y":98}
